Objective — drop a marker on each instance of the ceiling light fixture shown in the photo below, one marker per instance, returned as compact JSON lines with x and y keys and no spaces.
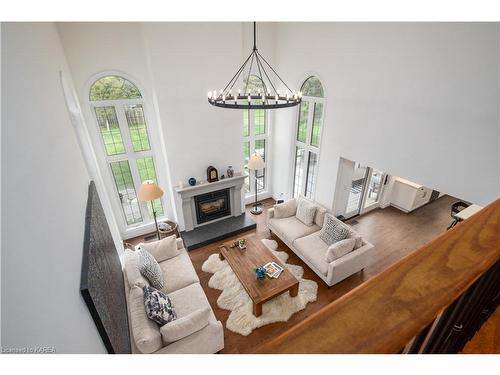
{"x":266,"y":97}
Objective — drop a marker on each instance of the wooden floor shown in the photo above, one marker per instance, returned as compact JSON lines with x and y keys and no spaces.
{"x":394,"y":234}
{"x":487,"y":339}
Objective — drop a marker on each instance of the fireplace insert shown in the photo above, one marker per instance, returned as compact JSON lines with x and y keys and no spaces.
{"x":213,"y":205}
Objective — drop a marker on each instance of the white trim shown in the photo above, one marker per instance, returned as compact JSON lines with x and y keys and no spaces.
{"x":127,"y":231}
{"x":308,"y":148}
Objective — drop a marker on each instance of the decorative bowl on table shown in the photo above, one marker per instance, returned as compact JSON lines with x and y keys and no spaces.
{"x":260,"y":273}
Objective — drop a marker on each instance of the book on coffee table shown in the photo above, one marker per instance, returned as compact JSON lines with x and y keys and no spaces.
{"x":273,"y":269}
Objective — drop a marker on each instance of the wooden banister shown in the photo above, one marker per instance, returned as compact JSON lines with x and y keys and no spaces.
{"x":386,"y":312}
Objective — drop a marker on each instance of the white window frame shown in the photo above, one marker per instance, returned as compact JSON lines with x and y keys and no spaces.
{"x":104,"y":160}
{"x":252,"y":138}
{"x":312,"y":100}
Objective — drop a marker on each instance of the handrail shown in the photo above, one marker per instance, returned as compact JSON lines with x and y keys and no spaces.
{"x":383,"y":314}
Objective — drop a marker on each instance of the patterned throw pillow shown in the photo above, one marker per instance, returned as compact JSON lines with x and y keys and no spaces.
{"x":306,"y":211}
{"x":158,"y":306}
{"x":333,"y":231}
{"x":150,"y":269}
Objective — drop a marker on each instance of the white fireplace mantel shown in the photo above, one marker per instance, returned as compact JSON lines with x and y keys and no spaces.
{"x":187,"y":194}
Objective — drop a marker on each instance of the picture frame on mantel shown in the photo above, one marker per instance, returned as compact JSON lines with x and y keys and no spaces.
{"x":212,"y":174}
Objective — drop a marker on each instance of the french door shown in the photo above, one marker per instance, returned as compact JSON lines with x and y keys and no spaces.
{"x":365,"y":191}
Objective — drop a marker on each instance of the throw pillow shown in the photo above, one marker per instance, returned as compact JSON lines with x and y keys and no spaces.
{"x":319,"y":218}
{"x":185,"y":326}
{"x":158,"y":306}
{"x":332,"y":231}
{"x":306,"y":210}
{"x":163,"y":249}
{"x":285,"y":209}
{"x":150,"y":269}
{"x":132,"y":272}
{"x":339,"y":249}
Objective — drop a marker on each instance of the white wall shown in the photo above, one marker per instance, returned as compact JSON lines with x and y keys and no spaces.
{"x":44,"y":194}
{"x":419,"y":100}
{"x":176,"y":64}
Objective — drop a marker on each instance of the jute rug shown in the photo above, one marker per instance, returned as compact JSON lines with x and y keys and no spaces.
{"x":235,"y":299}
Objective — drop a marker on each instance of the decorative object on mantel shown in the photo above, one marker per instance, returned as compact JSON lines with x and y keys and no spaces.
{"x":235,"y":299}
{"x":222,"y":177}
{"x":269,"y":98}
{"x":180,"y":184}
{"x":150,"y":191}
{"x":256,"y":163}
{"x":230,"y":171}
{"x":192,"y":181}
{"x":212,"y":174}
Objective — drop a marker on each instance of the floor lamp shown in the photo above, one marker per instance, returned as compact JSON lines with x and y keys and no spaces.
{"x":150,"y":191}
{"x":256,"y":163}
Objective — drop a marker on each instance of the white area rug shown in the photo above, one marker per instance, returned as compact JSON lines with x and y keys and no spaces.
{"x":235,"y":299}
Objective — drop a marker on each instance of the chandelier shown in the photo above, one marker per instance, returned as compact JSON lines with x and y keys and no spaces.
{"x":249,"y":97}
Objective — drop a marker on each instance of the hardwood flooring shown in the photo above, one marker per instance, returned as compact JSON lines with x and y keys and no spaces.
{"x":394,"y":234}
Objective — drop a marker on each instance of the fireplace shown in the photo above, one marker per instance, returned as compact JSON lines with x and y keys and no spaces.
{"x":213,"y":205}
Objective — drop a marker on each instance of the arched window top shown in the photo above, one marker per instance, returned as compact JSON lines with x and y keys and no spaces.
{"x":312,"y":87}
{"x":254,"y":84}
{"x":113,"y":88}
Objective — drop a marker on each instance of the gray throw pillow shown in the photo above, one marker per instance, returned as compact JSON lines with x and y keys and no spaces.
{"x":306,"y":212}
{"x":150,"y":269}
{"x":158,"y":306}
{"x":333,"y":231}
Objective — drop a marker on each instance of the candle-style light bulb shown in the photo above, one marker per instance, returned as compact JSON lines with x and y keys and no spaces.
{"x":249,"y":98}
{"x":276,"y":98}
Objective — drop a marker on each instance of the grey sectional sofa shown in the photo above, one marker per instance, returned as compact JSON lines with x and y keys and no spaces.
{"x":305,"y":242}
{"x":183,"y":287}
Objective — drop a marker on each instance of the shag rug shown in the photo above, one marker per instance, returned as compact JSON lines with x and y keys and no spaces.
{"x":235,"y":299}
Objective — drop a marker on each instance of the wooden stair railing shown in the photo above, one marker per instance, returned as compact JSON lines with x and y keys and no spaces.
{"x":431,"y":301}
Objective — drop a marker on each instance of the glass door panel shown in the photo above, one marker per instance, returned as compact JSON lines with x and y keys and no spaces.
{"x":373,"y":187}
{"x":357,"y":190}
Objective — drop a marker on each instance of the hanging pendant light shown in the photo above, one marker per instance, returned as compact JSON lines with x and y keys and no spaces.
{"x":244,"y":98}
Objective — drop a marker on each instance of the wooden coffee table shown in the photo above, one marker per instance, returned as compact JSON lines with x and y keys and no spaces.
{"x":244,"y":262}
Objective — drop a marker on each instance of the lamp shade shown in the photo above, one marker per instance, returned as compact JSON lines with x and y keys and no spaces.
{"x":149,"y":190}
{"x":256,"y":162}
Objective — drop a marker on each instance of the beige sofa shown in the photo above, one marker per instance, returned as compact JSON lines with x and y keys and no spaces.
{"x":305,"y":242}
{"x":183,"y":287}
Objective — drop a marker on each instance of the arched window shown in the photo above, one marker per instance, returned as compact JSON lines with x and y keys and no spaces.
{"x":308,"y":137}
{"x":118,"y":107}
{"x":254,"y":137}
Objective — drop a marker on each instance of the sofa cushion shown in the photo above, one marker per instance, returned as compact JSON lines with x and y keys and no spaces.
{"x":178,"y":272}
{"x":145,"y":332}
{"x":161,"y":250}
{"x":333,"y":231}
{"x":313,"y":249}
{"x":356,"y":236}
{"x":286,"y":209}
{"x":189,"y":299}
{"x":134,"y":276}
{"x":319,"y":218}
{"x":291,"y":228}
{"x":158,"y":306}
{"x":339,"y":249}
{"x":150,"y":269}
{"x":185,"y":326}
{"x":306,"y":211}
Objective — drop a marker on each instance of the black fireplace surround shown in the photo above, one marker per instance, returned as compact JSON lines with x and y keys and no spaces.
{"x":213,"y":205}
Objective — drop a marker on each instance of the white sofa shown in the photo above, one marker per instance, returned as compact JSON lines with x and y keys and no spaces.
{"x":183,"y":287}
{"x":305,"y":242}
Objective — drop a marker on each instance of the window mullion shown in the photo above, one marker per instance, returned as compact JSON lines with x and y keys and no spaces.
{"x":131,"y":155}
